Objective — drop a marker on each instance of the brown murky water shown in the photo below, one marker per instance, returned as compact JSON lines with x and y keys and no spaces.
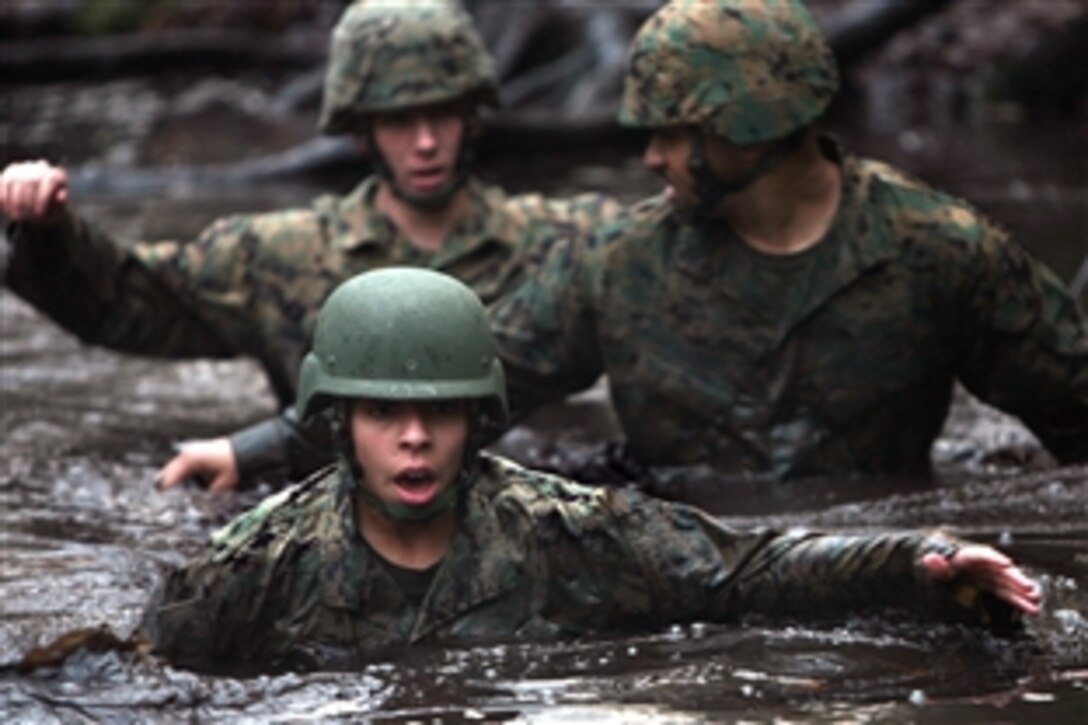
{"x":83,"y":534}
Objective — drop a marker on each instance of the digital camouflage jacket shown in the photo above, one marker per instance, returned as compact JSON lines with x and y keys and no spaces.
{"x":839,"y":359}
{"x":291,"y":583}
{"x":251,"y":285}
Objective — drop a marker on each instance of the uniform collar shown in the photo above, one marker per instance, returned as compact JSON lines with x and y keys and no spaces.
{"x":479,"y":567}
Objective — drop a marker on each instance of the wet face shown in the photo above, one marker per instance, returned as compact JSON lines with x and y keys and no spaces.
{"x":409,"y":451}
{"x":421,"y":147}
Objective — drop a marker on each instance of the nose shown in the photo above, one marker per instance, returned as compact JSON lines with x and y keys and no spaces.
{"x":415,"y":430}
{"x":425,"y":136}
{"x":652,"y":158}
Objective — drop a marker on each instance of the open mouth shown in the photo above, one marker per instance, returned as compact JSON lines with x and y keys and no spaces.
{"x":416,"y":486}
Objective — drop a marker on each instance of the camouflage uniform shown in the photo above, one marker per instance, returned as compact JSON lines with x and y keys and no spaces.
{"x":293,"y":584}
{"x":839,"y":359}
{"x":251,"y":285}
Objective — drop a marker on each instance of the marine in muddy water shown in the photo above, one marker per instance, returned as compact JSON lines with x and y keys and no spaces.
{"x":407,"y":80}
{"x":416,"y":536}
{"x":784,"y":308}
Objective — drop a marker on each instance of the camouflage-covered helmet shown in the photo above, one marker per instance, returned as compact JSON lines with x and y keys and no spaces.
{"x":403,"y":333}
{"x":745,"y":70}
{"x":393,"y":54}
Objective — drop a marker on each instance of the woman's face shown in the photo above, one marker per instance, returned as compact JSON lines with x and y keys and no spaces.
{"x":409,"y":451}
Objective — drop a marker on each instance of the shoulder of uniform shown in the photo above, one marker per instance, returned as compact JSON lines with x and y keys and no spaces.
{"x":652,"y":209}
{"x":642,"y":217}
{"x":918,"y":206}
{"x":915,"y":220}
{"x":284,"y":514}
{"x":627,"y":227}
{"x":536,"y":490}
{"x":578,"y":210}
{"x":284,"y":227}
{"x":301,"y":221}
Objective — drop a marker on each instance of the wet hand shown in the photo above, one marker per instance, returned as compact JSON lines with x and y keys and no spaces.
{"x":988,"y":570}
{"x":210,"y":460}
{"x":33,"y":192}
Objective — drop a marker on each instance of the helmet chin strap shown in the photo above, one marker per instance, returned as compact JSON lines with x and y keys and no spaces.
{"x":436,"y":200}
{"x":403,"y":513}
{"x":711,"y":187}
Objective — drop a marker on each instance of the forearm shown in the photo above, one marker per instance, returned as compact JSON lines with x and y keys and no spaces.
{"x":808,"y":575}
{"x":282,"y":444}
{"x":103,"y":294}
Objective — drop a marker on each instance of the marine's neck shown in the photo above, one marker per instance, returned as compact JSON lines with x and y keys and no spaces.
{"x":410,"y":544}
{"x":426,"y":229}
{"x":791,"y":208}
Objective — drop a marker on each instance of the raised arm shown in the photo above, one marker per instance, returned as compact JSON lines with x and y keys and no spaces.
{"x":175,"y":299}
{"x":104,"y":292}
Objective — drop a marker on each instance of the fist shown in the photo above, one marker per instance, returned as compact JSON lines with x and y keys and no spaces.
{"x":33,"y":192}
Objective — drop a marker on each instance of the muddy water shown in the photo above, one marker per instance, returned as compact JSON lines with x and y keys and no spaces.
{"x":84,"y":536}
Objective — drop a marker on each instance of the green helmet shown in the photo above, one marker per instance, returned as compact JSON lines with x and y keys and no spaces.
{"x":745,"y":70}
{"x":403,"y":333}
{"x":392,"y":54}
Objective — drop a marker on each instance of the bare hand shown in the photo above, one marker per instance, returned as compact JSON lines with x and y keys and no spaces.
{"x":211,"y":460}
{"x":988,"y":570}
{"x":33,"y":192}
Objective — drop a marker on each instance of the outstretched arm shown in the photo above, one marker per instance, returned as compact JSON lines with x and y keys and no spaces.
{"x":803,"y":574}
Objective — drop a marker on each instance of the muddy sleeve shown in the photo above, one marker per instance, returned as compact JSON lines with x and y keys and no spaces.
{"x":226,"y":606}
{"x":111,"y":294}
{"x":208,"y":614}
{"x":1026,"y":346}
{"x":283,"y":444}
{"x":806,"y":575}
{"x":546,"y":333}
{"x":674,"y":563}
{"x":620,"y":560}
